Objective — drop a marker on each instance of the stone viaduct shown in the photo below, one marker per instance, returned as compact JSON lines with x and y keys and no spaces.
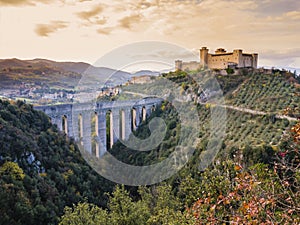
{"x":98,"y":125}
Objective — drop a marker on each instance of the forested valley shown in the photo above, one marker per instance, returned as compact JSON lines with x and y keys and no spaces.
{"x":253,"y":180}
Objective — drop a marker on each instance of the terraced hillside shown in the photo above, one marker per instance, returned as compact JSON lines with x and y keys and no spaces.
{"x":267,"y":93}
{"x":246,"y":129}
{"x":255,"y":105}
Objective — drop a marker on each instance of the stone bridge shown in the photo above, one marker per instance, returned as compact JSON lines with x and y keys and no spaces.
{"x":98,"y":125}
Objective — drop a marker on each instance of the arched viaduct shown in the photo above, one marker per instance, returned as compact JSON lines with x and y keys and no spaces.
{"x":98,"y":125}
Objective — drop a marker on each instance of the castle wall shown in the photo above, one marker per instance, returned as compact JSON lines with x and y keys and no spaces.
{"x":247,"y":61}
{"x":221,"y":61}
{"x":189,"y":66}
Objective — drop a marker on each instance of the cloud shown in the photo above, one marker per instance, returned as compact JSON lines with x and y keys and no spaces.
{"x":288,"y":16}
{"x":21,"y":2}
{"x":174,"y":54}
{"x":128,"y":21}
{"x":44,"y":30}
{"x":100,"y":21}
{"x":283,"y":54}
{"x":105,"y":30}
{"x":281,"y":58}
{"x":272,"y":8}
{"x":87,"y":15}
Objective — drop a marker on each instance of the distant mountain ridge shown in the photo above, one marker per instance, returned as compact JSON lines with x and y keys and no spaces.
{"x":76,"y":67}
{"x":14,"y":71}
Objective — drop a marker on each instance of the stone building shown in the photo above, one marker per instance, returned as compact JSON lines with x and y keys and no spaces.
{"x":220,"y":60}
{"x":180,"y":65}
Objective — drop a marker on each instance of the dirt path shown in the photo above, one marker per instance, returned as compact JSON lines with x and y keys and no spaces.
{"x":256,"y":112}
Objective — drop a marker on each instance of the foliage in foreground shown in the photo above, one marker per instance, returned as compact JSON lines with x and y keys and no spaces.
{"x":226,"y":193}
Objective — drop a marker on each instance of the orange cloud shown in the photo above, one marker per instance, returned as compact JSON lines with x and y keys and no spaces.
{"x":87,"y":15}
{"x":105,"y":30}
{"x":44,"y":30}
{"x":128,"y":21}
{"x":15,"y":2}
{"x":21,"y":2}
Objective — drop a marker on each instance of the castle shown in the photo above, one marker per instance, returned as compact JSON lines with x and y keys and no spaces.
{"x":220,"y":60}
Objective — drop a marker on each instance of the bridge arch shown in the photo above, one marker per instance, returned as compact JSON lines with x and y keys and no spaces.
{"x":153,"y":108}
{"x":64,"y":124}
{"x":109,"y":129}
{"x":95,"y":138}
{"x":144,"y":113}
{"x":80,"y":126}
{"x":134,"y":119}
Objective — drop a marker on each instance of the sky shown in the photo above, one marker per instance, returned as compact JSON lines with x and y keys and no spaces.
{"x":85,"y":30}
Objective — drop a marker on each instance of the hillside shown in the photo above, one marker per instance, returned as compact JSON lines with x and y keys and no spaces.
{"x":41,"y":170}
{"x":255,"y":176}
{"x":256,"y":108}
{"x":54,"y":74}
{"x":14,"y":72}
{"x":253,"y":180}
{"x":269,"y":93}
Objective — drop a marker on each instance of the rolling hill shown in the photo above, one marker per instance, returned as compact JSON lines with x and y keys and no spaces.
{"x":51,"y":73}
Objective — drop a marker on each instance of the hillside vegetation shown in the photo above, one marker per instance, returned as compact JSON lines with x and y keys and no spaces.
{"x":41,"y":170}
{"x":254,"y":179}
{"x":268,"y":93}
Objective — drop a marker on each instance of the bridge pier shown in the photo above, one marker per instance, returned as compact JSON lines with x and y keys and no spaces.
{"x":87,"y":131}
{"x":148,"y":110}
{"x":77,"y":126}
{"x":127,"y":122}
{"x":70,"y":130}
{"x":138,"y":116}
{"x":102,"y":142}
{"x":57,"y":120}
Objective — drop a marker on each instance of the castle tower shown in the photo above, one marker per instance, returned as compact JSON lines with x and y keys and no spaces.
{"x":238,"y":57}
{"x":254,"y":60}
{"x":203,"y":56}
{"x":178,"y":65}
